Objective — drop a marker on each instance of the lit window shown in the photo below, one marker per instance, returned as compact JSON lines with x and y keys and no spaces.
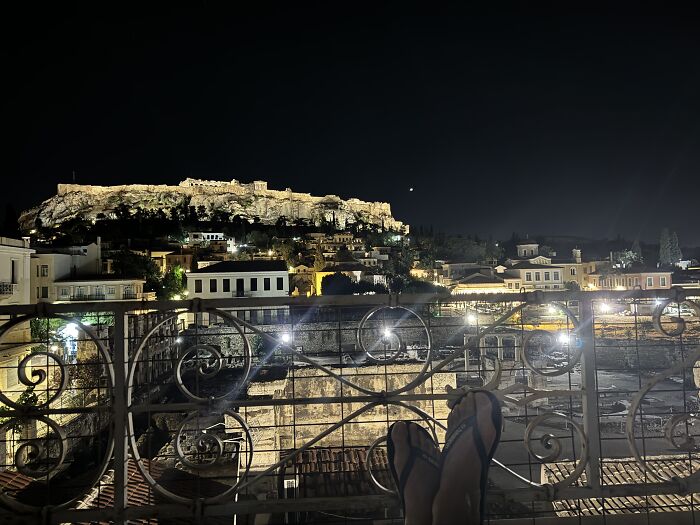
{"x":111,"y":290}
{"x":44,"y":270}
{"x":528,"y":276}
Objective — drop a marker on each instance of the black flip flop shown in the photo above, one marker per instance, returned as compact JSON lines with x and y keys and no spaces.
{"x":484,"y":457}
{"x":415,"y":453}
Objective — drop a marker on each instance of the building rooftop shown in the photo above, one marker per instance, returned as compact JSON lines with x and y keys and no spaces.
{"x":480,"y":278}
{"x":97,"y":278}
{"x":620,"y":471}
{"x":532,"y":266}
{"x":244,"y":266}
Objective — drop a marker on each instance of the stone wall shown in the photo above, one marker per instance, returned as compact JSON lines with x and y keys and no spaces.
{"x":277,"y":428}
{"x":249,"y":200}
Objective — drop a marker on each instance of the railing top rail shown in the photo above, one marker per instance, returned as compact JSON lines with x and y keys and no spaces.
{"x":535,"y":297}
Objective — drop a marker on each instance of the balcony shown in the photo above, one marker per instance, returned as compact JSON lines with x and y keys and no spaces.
{"x":288,"y":422}
{"x":8,"y":289}
{"x":86,"y":297}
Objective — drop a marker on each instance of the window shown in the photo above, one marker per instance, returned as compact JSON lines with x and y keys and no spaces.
{"x":111,"y":290}
{"x":650,"y":281}
{"x":528,"y":276}
{"x":44,"y":292}
{"x":227,"y":285}
{"x":537,"y":276}
{"x":197,"y":286}
{"x":517,"y":285}
{"x":546,"y":276}
{"x":510,"y":285}
{"x":253,"y":284}
{"x":37,"y":292}
{"x":280,"y":283}
{"x":37,"y":270}
{"x":64,"y":291}
{"x":572,"y":271}
{"x":662,"y":281}
{"x":636,"y":281}
{"x":212,"y":285}
{"x":556,"y":276}
{"x":44,"y":270}
{"x":266,"y":283}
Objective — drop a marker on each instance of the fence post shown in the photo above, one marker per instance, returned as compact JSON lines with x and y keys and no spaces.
{"x":590,"y":392}
{"x":121,"y":445}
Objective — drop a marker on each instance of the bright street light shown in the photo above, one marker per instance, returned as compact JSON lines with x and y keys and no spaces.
{"x":605,"y":308}
{"x":471,"y":318}
{"x":286,"y":337}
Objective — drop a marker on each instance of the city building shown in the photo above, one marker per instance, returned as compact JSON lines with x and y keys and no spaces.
{"x":228,"y":279}
{"x":15,"y":288}
{"x":629,"y":279}
{"x":99,"y":288}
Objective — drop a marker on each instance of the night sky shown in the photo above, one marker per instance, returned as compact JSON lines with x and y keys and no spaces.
{"x":560,"y":124}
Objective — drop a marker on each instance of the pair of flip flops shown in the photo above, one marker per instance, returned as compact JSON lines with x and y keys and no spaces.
{"x":454,"y":434}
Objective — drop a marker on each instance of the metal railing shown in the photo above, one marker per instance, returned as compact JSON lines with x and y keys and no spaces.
{"x":225,"y":417}
{"x":8,"y":288}
{"x":88,"y":297}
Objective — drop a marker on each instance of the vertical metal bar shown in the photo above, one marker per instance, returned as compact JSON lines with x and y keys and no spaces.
{"x":590,"y":395}
{"x":121,"y":452}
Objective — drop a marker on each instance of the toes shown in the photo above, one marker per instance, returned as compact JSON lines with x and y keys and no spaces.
{"x":399,"y":432}
{"x":464,"y":408}
{"x":426,"y":442}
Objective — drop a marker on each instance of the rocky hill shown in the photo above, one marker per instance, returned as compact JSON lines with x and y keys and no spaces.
{"x":246,"y":199}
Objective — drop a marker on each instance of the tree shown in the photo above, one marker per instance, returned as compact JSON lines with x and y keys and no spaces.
{"x":637,"y":250}
{"x":129,"y":264}
{"x":319,"y":259}
{"x":675,"y":249}
{"x":625,"y":259}
{"x":546,"y":250}
{"x":173,"y":283}
{"x":665,"y":256}
{"x":337,"y":284}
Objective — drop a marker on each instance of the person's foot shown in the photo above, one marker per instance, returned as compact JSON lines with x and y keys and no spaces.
{"x":458,"y":498}
{"x":424,"y":475}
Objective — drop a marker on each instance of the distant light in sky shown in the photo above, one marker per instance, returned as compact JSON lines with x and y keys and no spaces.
{"x":410,"y":189}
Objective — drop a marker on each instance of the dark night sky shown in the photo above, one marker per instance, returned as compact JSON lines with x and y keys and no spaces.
{"x":583,"y":125}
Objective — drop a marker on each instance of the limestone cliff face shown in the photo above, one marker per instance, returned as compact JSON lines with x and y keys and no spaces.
{"x":248,"y":200}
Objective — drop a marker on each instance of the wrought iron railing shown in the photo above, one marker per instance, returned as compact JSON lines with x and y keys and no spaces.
{"x":117,"y":412}
{"x":8,"y":288}
{"x":88,"y":297}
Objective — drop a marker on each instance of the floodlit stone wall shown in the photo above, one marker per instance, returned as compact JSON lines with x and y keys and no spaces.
{"x":253,"y":199}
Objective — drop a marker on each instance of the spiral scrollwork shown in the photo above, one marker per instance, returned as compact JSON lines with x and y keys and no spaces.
{"x":552,"y":444}
{"x":208,"y":449}
{"x":677,"y":432}
{"x":677,"y":320}
{"x":547,"y":343}
{"x":674,"y":431}
{"x":390,"y":338}
{"x":40,"y":457}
